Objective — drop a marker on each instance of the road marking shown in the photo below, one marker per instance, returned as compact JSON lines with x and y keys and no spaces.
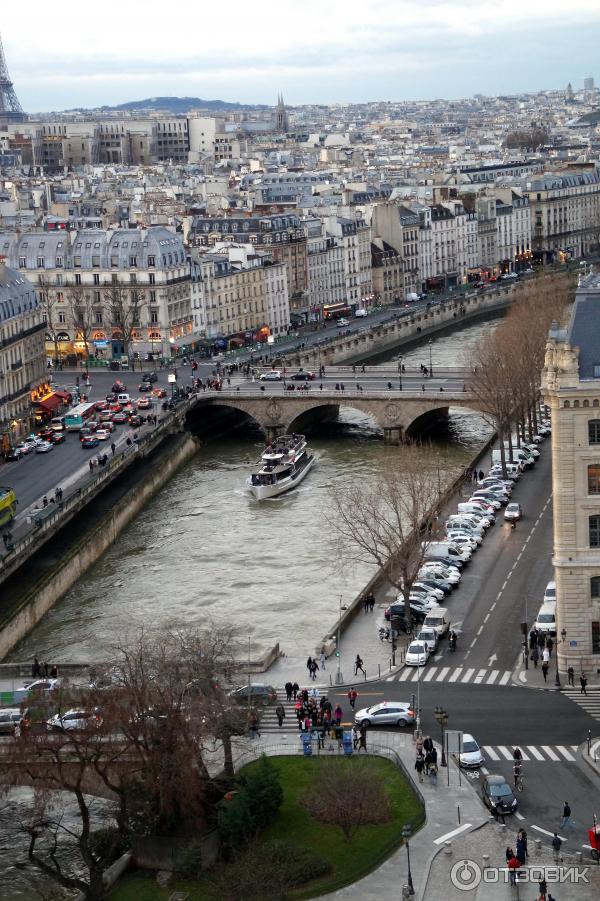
{"x":485,"y":770}
{"x":504,"y":678}
{"x":403,"y":675}
{"x":566,"y":754}
{"x":491,"y":753}
{"x":519,"y":555}
{"x":550,"y":752}
{"x":429,"y":674}
{"x":528,"y":537}
{"x":493,"y":676}
{"x":487,"y":616}
{"x":455,"y":674}
{"x":505,"y":752}
{"x":443,"y":673}
{"x":444,"y":838}
{"x":535,"y":753}
{"x":504,"y":586}
{"x":545,"y":831}
{"x":473,"y":642}
{"x":498,"y":596}
{"x":524,"y":755}
{"x":480,"y":630}
{"x":497,"y":599}
{"x":479,"y":676}
{"x":518,"y":815}
{"x":468,"y":675}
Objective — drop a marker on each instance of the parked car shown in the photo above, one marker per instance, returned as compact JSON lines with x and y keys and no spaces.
{"x":273,"y":375}
{"x":497,"y":794}
{"x":386,"y":713}
{"x":512,"y":512}
{"x":550,"y":593}
{"x":445,"y":586}
{"x":470,"y":754}
{"x":254,"y":693}
{"x":15,"y":453}
{"x":41,"y":685}
{"x":71,"y":720}
{"x":9,"y":717}
{"x":44,"y":447}
{"x":431,"y":569}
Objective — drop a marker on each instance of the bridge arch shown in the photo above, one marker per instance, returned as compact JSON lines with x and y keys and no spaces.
{"x":214,"y":414}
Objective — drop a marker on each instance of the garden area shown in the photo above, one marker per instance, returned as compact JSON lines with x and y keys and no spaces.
{"x":333,"y":822}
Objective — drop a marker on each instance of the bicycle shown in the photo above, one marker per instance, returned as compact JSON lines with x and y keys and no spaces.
{"x":519,"y":783}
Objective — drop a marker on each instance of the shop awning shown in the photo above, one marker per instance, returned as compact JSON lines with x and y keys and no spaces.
{"x":49,"y":404}
{"x":64,"y":395}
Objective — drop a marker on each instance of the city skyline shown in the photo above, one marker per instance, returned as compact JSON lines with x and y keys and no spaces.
{"x":404,"y":51}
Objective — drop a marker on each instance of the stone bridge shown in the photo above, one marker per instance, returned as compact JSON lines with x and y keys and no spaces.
{"x":399,"y":414}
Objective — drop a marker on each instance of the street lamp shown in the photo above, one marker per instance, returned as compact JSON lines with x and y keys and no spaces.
{"x":406,"y":834}
{"x":430,"y":359}
{"x":400,"y":371}
{"x":442,"y":718}
{"x":563,"y":636}
{"x":339,"y":678}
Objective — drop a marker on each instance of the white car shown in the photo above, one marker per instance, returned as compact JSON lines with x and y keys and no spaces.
{"x":417,"y":654}
{"x":435,"y":570}
{"x":342,"y":323}
{"x":550,"y":593}
{"x":419,"y":588}
{"x":427,"y":603}
{"x":512,"y":512}
{"x":512,"y":470}
{"x":44,"y":447}
{"x":43,"y":685}
{"x":487,"y":502}
{"x":464,"y":539}
{"x":102,"y":434}
{"x":428,"y":637}
{"x":470,"y":754}
{"x":361,"y":313}
{"x":274,"y":375}
{"x":74,"y":719}
{"x":496,"y":484}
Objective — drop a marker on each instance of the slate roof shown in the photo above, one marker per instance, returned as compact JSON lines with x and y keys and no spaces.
{"x":584,"y":328}
{"x":17,"y":294}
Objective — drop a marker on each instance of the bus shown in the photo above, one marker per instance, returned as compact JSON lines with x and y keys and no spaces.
{"x":336,"y":311}
{"x":8,"y":505}
{"x":77,"y":417}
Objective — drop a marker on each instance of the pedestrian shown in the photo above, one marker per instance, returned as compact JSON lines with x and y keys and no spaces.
{"x":280,"y":713}
{"x":433,"y":773}
{"x":355,"y":737}
{"x":288,"y":691}
{"x":371,"y":601}
{"x":513,"y":866}
{"x":54,"y":672}
{"x":366,"y":603}
{"x":523,"y":836}
{"x":419,"y":744}
{"x":35,"y":667}
{"x":583,"y":682}
{"x":322,"y":658}
{"x":419,"y":766}
{"x":566,"y":816}
{"x":481,"y":475}
{"x":45,"y":668}
{"x":45,"y":501}
{"x":541,"y":641}
{"x":321,"y":729}
{"x":18,"y":729}
{"x":571,"y":676}
{"x":91,"y":465}
{"x":362,"y":742}
{"x":545,"y":670}
{"x":533,"y":639}
{"x":313,"y":670}
{"x":535,"y":656}
{"x":358,"y":665}
{"x":549,"y":644}
{"x":556,"y":846}
{"x":352,"y":696}
{"x":295,"y":690}
{"x":338,"y":714}
{"x":543,"y":890}
{"x":309,"y":664}
{"x":304,"y":696}
{"x":509,"y":855}
{"x":254,"y":725}
{"x":113,"y":447}
{"x":546,"y":655}
{"x":520,"y":851}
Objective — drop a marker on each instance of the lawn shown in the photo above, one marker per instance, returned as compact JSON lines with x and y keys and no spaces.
{"x":349,"y":862}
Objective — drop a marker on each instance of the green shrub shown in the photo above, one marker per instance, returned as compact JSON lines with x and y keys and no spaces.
{"x":268,"y":871}
{"x":252,"y":807}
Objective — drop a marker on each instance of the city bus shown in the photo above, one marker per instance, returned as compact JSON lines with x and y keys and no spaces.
{"x":8,"y":505}
{"x":78,"y":416}
{"x":336,"y":311}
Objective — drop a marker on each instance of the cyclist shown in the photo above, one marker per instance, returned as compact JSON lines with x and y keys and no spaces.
{"x":517,"y":755}
{"x":517,"y":774}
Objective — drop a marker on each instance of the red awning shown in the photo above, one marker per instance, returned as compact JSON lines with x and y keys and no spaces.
{"x":64,"y":395}
{"x":50,"y":404}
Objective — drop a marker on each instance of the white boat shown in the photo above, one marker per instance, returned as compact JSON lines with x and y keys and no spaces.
{"x":283,"y":465}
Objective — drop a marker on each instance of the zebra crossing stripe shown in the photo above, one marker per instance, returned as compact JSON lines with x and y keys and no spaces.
{"x":468,"y":675}
{"x":491,"y":753}
{"x":479,"y":676}
{"x":455,"y":674}
{"x":505,"y":752}
{"x":566,"y":754}
{"x":505,"y":678}
{"x":404,"y":674}
{"x":535,"y":753}
{"x":430,"y":674}
{"x":550,"y":752}
{"x":493,"y":676}
{"x":443,"y":673}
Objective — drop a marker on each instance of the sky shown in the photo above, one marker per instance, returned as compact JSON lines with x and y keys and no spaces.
{"x":313,"y":51}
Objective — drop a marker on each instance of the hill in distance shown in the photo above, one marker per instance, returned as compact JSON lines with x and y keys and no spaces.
{"x":177,"y":105}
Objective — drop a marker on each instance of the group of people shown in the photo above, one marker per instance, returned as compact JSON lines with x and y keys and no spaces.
{"x":368,"y":602}
{"x":426,"y":763}
{"x":43,"y":669}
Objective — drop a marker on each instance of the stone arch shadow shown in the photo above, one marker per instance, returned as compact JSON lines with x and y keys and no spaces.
{"x":214,"y":418}
{"x":322,"y":414}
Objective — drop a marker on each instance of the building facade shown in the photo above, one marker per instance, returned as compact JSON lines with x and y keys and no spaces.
{"x":565,"y":214}
{"x":571,"y":387}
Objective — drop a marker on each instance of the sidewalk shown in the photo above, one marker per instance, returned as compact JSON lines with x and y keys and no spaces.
{"x":531,"y":676}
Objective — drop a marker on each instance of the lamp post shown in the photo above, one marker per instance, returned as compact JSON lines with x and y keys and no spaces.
{"x":442,"y":718}
{"x":430,"y":358}
{"x":400,"y":372}
{"x":339,"y":678}
{"x":563,"y":636}
{"x":406,"y":834}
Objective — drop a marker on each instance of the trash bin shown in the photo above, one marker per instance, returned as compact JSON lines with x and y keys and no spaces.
{"x":347,"y":740}
{"x":307,"y":744}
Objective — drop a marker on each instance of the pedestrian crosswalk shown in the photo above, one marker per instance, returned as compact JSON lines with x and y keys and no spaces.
{"x":589,"y":702}
{"x":531,"y":753}
{"x":457,"y":674}
{"x":268,"y":717}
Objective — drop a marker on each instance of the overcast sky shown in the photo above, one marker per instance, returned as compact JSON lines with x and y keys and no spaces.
{"x":89,"y":54}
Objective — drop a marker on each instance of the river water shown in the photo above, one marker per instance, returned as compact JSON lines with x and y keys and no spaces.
{"x":204,"y":550}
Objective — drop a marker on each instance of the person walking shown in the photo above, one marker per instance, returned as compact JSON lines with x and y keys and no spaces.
{"x":533,"y":637}
{"x":313,"y":670}
{"x":358,"y":665}
{"x":520,"y":851}
{"x":322,"y":659}
{"x":254,"y":725}
{"x":535,"y":656}
{"x":566,"y":821}
{"x":571,"y":676}
{"x":419,"y":766}
{"x":352,"y":696}
{"x":513,"y":866}
{"x":35,"y":667}
{"x":309,"y":664}
{"x":583,"y":682}
{"x":546,"y":655}
{"x":288,"y":691}
{"x":338,"y":714}
{"x":541,"y":641}
{"x":280,"y":713}
{"x":545,"y":665}
{"x":371,"y":601}
{"x":362,"y":740}
{"x":556,"y":846}
{"x":295,"y":690}
{"x":549,"y":644}
{"x":366,"y":603}
{"x":113,"y":447}
{"x":543,"y":890}
{"x":509,"y":854}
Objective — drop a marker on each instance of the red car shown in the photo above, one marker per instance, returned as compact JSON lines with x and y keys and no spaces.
{"x":58,"y":437}
{"x":159,"y":392}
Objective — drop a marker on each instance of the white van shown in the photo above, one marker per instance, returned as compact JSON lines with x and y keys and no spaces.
{"x":550,"y":593}
{"x":520,"y":458}
{"x":57,"y":423}
{"x":360,"y":312}
{"x":546,"y":619}
{"x":123,"y":398}
{"x":450,"y":550}
{"x":437,"y":619}
{"x":411,"y":297}
{"x":513,"y":471}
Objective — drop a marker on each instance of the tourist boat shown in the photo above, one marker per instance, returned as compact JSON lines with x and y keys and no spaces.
{"x":283,"y":465}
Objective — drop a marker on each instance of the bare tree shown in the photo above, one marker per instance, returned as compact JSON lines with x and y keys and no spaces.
{"x":48,"y":301}
{"x":347,"y":794}
{"x":125,"y":304}
{"x":390,"y":519}
{"x":82,"y":314}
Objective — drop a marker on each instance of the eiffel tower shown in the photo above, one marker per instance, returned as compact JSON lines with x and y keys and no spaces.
{"x":10,"y":108}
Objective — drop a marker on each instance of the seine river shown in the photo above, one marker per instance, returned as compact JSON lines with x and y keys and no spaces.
{"x":204,"y":549}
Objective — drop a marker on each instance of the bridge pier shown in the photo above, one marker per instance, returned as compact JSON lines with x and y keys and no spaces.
{"x":392,"y":435}
{"x":273,"y":431}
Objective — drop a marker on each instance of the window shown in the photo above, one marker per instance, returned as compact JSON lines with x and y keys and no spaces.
{"x":594,"y":431}
{"x":133,"y":261}
{"x":597,"y":370}
{"x":62,"y":318}
{"x":152,"y":278}
{"x":595,"y":587}
{"x":98,"y":317}
{"x":594,"y":529}
{"x":77,"y":278}
{"x":154,"y":319}
{"x":595,"y":637}
{"x":41,"y":261}
{"x":152,"y":296}
{"x":151,"y":261}
{"x":593,"y":472}
{"x":97,"y":297}
{"x":22,"y":262}
{"x":96,"y":262}
{"x":96,"y":278}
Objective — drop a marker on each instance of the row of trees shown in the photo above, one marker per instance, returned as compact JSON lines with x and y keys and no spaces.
{"x":507,"y":362}
{"x":164,"y":731}
{"x":123,"y":304}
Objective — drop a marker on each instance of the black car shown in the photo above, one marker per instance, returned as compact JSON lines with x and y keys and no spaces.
{"x":498,"y":795}
{"x":58,"y":437}
{"x":446,"y":561}
{"x":13,"y":454}
{"x":149,"y":377}
{"x":303,"y":376}
{"x":397,"y":612}
{"x":256,"y":693}
{"x":145,"y":387}
{"x":446,"y":587}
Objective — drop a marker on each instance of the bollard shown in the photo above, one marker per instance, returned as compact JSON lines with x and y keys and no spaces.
{"x":447,"y":847}
{"x":538,"y":845}
{"x":579,"y":856}
{"x":486,"y":860}
{"x":405,"y":893}
{"x":379,"y":669}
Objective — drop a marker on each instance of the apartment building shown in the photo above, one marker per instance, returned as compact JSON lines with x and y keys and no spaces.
{"x":107,"y":292}
{"x":22,"y":353}
{"x":325,"y":268}
{"x":354,"y":237}
{"x":571,"y":387}
{"x":565,"y":214}
{"x":395,"y":251}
